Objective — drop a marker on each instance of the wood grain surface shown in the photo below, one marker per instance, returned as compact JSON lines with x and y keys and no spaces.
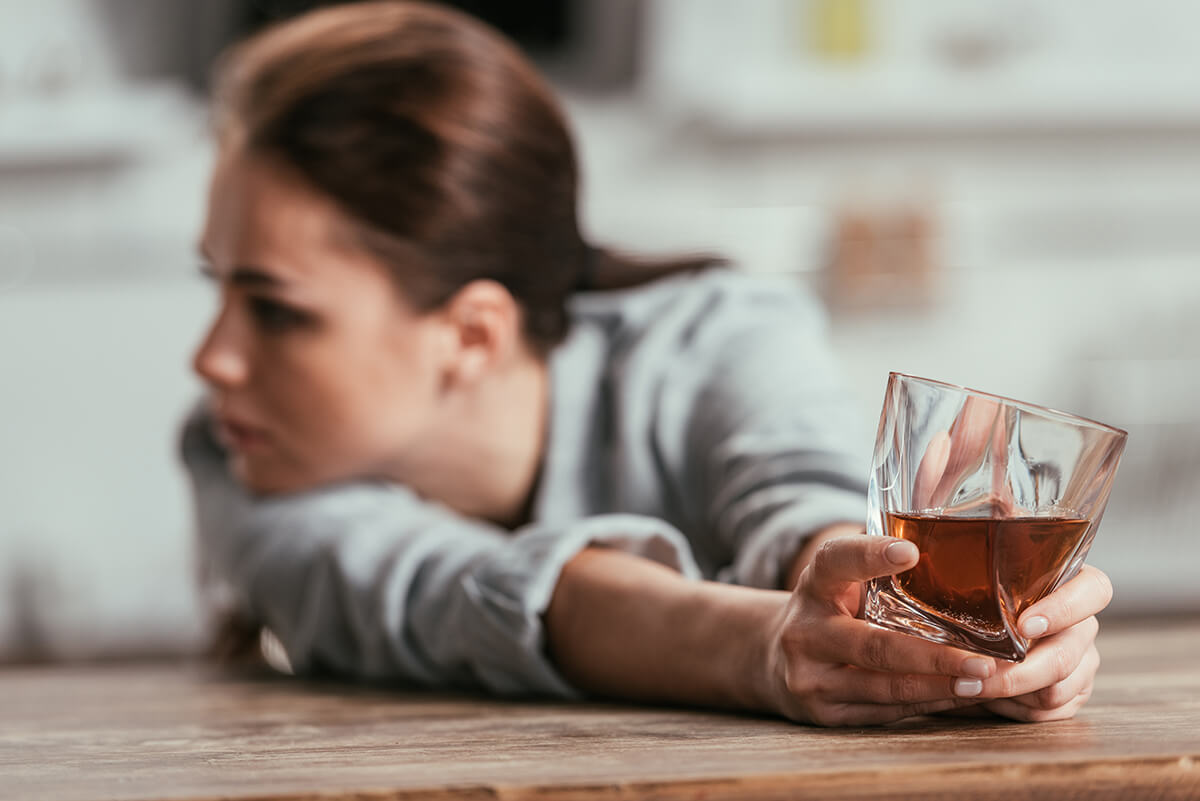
{"x":153,"y":731}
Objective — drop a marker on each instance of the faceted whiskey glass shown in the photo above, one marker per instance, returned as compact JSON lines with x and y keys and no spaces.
{"x":1002,"y":499}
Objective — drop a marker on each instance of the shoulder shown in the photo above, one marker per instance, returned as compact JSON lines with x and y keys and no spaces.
{"x":701,"y":310}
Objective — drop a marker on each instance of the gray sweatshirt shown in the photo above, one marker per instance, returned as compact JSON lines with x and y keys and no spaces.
{"x":696,"y":421}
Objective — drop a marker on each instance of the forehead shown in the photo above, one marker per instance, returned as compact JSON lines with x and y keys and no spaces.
{"x":260,"y":213}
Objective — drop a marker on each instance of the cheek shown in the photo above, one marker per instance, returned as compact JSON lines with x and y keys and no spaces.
{"x":353,"y":410}
{"x":387,"y":408}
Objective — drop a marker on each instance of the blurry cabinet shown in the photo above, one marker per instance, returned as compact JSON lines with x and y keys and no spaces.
{"x":816,"y":68}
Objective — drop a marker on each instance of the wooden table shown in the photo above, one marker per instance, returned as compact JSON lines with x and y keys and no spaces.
{"x":192,"y":732}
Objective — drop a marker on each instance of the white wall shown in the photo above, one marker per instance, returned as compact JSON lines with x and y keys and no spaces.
{"x":94,"y":534}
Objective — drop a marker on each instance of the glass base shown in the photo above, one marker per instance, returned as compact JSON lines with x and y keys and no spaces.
{"x":890,"y":608}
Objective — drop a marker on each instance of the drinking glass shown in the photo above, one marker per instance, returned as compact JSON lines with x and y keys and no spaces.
{"x":1001,"y":497}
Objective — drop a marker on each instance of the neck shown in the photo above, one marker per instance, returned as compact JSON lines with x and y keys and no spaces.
{"x":483,"y":456}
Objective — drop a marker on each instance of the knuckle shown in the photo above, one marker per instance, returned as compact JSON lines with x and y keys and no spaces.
{"x":1064,"y":663}
{"x":793,"y":640}
{"x":947,"y":662}
{"x":1008,"y":684}
{"x":924,"y":708}
{"x":790,"y":682}
{"x":1063,"y":610}
{"x":873,"y":651}
{"x":822,"y":687}
{"x":906,"y":688}
{"x":825,"y":558}
{"x":1103,"y":585}
{"x":798,"y":683}
{"x":1051,"y":697}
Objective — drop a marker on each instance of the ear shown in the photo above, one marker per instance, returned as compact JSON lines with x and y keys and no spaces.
{"x":484,"y":321}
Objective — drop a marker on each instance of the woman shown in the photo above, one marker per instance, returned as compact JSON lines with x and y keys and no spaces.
{"x":458,"y":446}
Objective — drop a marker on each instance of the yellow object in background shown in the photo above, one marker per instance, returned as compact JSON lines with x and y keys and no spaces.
{"x":838,"y":29}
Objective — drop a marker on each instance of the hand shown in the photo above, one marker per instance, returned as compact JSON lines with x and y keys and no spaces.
{"x":828,"y":667}
{"x":951,"y":455}
{"x":1055,"y":680}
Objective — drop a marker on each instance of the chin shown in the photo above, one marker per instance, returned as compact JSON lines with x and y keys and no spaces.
{"x":262,"y":479}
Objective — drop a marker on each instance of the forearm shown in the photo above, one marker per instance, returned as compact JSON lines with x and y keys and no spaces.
{"x":623,"y":626}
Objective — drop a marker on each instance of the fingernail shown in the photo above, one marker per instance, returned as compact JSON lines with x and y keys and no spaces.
{"x":901,"y":552}
{"x":977,"y":667}
{"x":1035,"y":626}
{"x":968,"y":688}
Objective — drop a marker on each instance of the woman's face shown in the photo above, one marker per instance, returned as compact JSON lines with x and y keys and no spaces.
{"x":317,"y":368}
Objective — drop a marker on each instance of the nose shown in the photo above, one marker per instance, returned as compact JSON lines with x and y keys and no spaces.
{"x":221,"y":359}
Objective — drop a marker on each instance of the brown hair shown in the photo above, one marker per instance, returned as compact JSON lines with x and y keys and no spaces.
{"x":440,"y":142}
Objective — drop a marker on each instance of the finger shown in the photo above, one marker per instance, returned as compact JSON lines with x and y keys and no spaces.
{"x":970,"y":434}
{"x":855,"y":558}
{"x":1083,"y":596}
{"x":850,"y":684}
{"x":1061,"y":693}
{"x":878,"y":714}
{"x":850,"y":641}
{"x":1007,"y":707}
{"x":974,"y":712}
{"x":1050,"y":661}
{"x":931,"y":469}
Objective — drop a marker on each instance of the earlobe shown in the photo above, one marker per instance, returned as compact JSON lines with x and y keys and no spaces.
{"x":472,"y":364}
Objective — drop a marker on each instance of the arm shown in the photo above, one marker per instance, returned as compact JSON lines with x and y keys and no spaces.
{"x":369,"y":581}
{"x":625,"y":627}
{"x":622,"y":627}
{"x":324,"y":571}
{"x":372,"y":583}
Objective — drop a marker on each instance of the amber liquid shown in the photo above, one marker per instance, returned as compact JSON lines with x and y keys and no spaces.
{"x":974,"y":569}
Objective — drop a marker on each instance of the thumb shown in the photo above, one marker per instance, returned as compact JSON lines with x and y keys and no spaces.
{"x":849,"y":560}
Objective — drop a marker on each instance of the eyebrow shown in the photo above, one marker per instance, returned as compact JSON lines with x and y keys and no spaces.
{"x":243,"y":275}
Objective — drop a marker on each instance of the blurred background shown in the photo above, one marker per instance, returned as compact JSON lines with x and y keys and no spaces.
{"x":999,"y":193}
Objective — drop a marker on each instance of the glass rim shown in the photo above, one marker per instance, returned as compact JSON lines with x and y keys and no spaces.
{"x":1025,"y":405}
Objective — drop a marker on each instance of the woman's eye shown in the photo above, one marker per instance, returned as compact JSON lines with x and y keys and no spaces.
{"x":275,"y":317}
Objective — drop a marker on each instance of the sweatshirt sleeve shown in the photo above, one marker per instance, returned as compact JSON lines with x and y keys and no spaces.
{"x":369,"y":581}
{"x":762,"y":426}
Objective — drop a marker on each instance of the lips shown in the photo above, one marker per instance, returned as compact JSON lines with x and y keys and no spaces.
{"x":238,"y":435}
